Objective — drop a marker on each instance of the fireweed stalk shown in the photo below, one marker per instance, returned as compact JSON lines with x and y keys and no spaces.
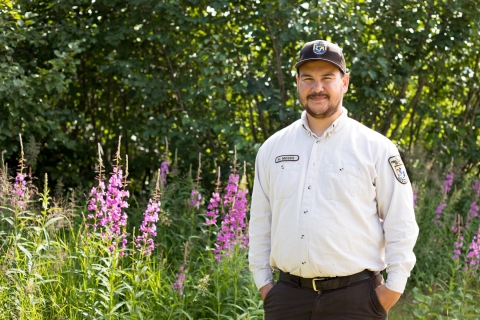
{"x":458,"y":247}
{"x":19,"y":192}
{"x":234,"y":221}
{"x":108,"y":204}
{"x":180,"y":279}
{"x":214,"y":205}
{"x":195,"y":195}
{"x":457,"y":228}
{"x":165,"y":166}
{"x":179,"y":284}
{"x":145,"y":242}
{"x":473,"y":258}
{"x":473,"y":211}
{"x":164,"y":169}
{"x":195,"y":199}
{"x":447,"y":184}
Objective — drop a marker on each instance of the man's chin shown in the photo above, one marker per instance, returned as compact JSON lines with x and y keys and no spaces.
{"x":321,"y":115}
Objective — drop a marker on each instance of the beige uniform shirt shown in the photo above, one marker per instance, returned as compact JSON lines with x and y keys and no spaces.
{"x":332,"y":205}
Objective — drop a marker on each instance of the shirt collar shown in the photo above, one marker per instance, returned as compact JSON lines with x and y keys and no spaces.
{"x":338,"y":124}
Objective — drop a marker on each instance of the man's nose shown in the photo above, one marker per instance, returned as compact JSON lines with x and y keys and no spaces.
{"x":317,"y":86}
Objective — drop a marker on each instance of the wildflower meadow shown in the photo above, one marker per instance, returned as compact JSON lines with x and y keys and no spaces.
{"x":181,"y":253}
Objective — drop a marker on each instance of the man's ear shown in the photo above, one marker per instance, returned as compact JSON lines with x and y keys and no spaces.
{"x":346,"y":81}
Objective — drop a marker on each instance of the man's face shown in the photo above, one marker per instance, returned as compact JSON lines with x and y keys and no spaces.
{"x":320,"y":88}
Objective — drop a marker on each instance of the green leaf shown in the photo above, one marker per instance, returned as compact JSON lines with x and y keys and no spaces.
{"x":24,"y":250}
{"x":52,"y":220}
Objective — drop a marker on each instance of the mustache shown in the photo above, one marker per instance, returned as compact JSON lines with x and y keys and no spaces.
{"x":314,"y":95}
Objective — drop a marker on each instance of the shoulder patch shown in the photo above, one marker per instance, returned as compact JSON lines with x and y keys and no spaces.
{"x":398,"y":169}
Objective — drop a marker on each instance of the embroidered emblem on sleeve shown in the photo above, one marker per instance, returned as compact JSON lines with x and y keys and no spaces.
{"x":398,"y":169}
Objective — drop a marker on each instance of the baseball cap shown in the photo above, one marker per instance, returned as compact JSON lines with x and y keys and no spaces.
{"x":322,"y":50}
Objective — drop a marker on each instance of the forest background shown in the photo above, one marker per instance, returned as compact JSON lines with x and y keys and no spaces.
{"x":179,"y":79}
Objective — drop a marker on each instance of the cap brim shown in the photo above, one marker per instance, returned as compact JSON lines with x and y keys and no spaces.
{"x":300,"y":63}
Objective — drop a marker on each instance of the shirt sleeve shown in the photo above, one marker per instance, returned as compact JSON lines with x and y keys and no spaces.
{"x":396,"y":209}
{"x":260,"y":225}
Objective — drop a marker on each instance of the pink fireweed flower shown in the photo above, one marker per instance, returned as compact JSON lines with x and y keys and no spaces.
{"x":164,"y":170}
{"x":473,"y":257}
{"x":438,"y":214}
{"x":19,"y":191}
{"x":476,"y":187}
{"x":179,"y":283}
{"x":234,"y":221}
{"x":213,"y":209}
{"x":109,"y":203}
{"x":148,"y":228}
{"x":472,"y":213}
{"x":231,"y":189}
{"x":415,"y":197}
{"x":195,"y":198}
{"x":447,"y":184}
{"x":458,"y":248}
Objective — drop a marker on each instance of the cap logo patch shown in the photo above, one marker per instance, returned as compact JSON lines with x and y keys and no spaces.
{"x":319,"y":48}
{"x":398,"y":169}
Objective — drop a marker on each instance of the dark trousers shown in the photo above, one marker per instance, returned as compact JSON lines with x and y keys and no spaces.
{"x":287,"y":300}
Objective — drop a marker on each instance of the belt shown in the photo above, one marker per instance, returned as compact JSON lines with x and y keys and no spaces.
{"x":323,"y":284}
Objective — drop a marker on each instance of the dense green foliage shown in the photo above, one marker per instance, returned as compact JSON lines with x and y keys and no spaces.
{"x":219,"y":74}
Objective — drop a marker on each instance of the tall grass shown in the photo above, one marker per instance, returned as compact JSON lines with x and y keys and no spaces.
{"x":182,"y":253}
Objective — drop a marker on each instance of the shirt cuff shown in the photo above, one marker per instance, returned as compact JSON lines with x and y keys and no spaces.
{"x":262,"y":277}
{"x":396,"y":282}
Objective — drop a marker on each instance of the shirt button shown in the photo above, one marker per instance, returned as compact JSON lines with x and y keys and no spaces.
{"x":303,"y":262}
{"x":306,"y":211}
{"x":309,"y":187}
{"x":302,"y":236}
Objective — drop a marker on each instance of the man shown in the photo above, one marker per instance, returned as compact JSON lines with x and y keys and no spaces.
{"x":332,"y":206}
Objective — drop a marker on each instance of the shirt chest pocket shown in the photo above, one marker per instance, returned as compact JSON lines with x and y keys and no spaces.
{"x":339,"y":181}
{"x":284,"y":179}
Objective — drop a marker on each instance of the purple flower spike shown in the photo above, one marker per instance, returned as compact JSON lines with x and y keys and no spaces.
{"x":195,"y":198}
{"x":438,"y":214}
{"x":458,"y":248}
{"x":179,"y":283}
{"x":149,"y":227}
{"x":213,"y":209}
{"x":472,"y":213}
{"x":164,"y":170}
{"x":473,"y":257}
{"x":108,"y":204}
{"x":234,"y":221}
{"x":447,"y":184}
{"x":19,"y":191}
